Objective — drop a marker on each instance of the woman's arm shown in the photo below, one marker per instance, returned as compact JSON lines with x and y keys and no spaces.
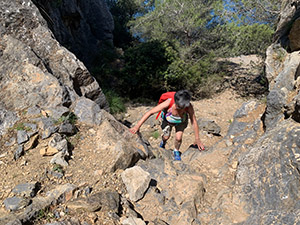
{"x":155,"y":109}
{"x":196,"y":127}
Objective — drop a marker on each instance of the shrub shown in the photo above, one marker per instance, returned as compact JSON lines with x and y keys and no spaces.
{"x":116,"y":103}
{"x":145,"y":64}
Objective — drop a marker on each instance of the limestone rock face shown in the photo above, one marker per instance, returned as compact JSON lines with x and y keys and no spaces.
{"x":282,"y":70}
{"x":286,"y":15}
{"x":82,"y":26}
{"x":35,"y":69}
{"x":294,"y":36}
{"x":268,"y":177}
{"x":287,"y":32}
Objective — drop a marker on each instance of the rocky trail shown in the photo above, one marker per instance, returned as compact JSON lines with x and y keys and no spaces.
{"x":64,"y":160}
{"x":91,"y":170}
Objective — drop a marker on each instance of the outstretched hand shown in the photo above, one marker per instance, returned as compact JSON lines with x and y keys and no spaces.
{"x":200,"y":145}
{"x":134,"y":130}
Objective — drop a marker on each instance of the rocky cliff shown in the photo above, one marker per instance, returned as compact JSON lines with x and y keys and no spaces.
{"x":89,"y":169}
{"x":84,"y":27}
{"x":35,"y":69}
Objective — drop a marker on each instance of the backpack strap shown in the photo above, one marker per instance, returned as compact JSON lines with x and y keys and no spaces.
{"x":170,"y":105}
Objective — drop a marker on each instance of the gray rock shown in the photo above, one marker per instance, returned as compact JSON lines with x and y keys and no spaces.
{"x":22,"y":136}
{"x":19,"y":152}
{"x":59,"y":143}
{"x":210,"y":126}
{"x":25,"y":190}
{"x":267,"y":181}
{"x":106,"y":201}
{"x":16,"y":203}
{"x":67,"y":128}
{"x":283,"y":27}
{"x":32,"y":129}
{"x":236,"y":128}
{"x":59,"y":159}
{"x":245,"y":109}
{"x":34,"y":111}
{"x":88,"y":111}
{"x":81,"y":26}
{"x":57,"y":112}
{"x":48,"y":127}
{"x":275,"y":104}
{"x":58,"y":175}
{"x":50,"y":75}
{"x":7,"y":119}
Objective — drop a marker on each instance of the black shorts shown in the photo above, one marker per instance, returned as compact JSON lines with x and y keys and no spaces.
{"x":167,"y":127}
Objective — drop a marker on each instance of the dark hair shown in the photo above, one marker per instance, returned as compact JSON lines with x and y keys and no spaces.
{"x":182,"y":98}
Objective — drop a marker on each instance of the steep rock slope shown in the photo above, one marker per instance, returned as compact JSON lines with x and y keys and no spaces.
{"x":84,"y":27}
{"x":35,"y":69}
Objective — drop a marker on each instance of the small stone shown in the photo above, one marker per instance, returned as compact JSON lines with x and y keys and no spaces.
{"x":3,"y":155}
{"x":48,"y":151}
{"x":228,"y":142}
{"x":234,"y":164}
{"x":98,"y":173}
{"x":22,"y":136}
{"x":59,"y":159}
{"x":66,"y":128}
{"x":16,"y":203}
{"x":24,"y":163}
{"x":25,"y":190}
{"x":32,"y":143}
{"x":92,"y":131}
{"x":19,"y":152}
{"x":87,"y":191}
{"x":11,"y":142}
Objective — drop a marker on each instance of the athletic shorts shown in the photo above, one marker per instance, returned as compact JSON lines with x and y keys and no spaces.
{"x":167,"y":127}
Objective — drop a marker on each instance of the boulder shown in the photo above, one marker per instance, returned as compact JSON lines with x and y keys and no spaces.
{"x":268,"y":177}
{"x":87,"y":112}
{"x":106,"y":201}
{"x":136,"y":181}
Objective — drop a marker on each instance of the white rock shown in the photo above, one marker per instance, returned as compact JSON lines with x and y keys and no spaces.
{"x":136,"y":181}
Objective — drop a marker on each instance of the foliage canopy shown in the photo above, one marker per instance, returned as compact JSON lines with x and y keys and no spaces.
{"x":174,"y":44}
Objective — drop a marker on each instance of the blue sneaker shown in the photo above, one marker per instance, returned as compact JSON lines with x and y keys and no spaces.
{"x":162,"y":144}
{"x":177,"y":155}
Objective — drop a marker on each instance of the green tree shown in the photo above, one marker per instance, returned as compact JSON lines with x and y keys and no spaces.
{"x":180,"y":21}
{"x":174,"y":44}
{"x":142,"y":75}
{"x":248,"y":12}
{"x":123,"y":11}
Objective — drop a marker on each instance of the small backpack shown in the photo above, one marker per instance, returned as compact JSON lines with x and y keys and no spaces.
{"x":164,"y":97}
